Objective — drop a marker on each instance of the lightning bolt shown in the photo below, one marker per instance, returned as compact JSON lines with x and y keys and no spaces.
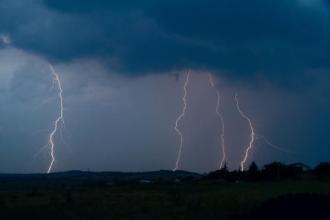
{"x":176,"y":127}
{"x":252,"y":134}
{"x":274,"y":146}
{"x":217,"y":110}
{"x":59,"y":119}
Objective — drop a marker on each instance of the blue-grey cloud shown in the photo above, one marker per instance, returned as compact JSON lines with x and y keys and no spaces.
{"x":275,"y":39}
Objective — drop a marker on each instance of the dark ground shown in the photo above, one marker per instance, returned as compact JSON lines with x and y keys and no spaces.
{"x":66,"y":197}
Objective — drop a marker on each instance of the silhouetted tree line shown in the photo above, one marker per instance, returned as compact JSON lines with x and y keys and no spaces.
{"x":272,"y":171}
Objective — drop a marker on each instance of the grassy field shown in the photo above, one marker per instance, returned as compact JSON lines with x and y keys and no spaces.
{"x":190,"y":200}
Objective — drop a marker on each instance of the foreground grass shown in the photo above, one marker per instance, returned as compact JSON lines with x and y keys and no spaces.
{"x":191,"y":200}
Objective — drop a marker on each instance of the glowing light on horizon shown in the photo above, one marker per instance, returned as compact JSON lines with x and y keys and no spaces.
{"x":222,"y":134}
{"x":252,"y":134}
{"x":59,"y":119}
{"x":181,"y":116}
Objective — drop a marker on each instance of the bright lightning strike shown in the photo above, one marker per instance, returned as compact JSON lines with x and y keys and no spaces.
{"x":252,"y":134}
{"x":184,"y":109}
{"x":59,"y":119}
{"x":217,"y":110}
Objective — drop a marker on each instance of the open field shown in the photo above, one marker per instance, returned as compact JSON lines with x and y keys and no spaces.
{"x":160,"y":200}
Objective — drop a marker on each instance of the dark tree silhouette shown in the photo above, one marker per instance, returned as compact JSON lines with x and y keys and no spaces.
{"x":322,"y":170}
{"x":279,"y":170}
{"x":219,"y":174}
{"x":253,"y":168}
{"x":253,"y":173}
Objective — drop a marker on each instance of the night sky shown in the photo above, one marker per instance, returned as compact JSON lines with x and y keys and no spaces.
{"x":123,"y":65}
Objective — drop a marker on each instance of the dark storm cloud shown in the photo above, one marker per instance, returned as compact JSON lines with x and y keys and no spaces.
{"x":274,"y":39}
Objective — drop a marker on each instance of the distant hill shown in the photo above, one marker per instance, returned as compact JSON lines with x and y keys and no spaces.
{"x":76,"y":176}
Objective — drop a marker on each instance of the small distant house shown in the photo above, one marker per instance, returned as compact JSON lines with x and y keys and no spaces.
{"x":145,"y":181}
{"x":301,"y":166}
